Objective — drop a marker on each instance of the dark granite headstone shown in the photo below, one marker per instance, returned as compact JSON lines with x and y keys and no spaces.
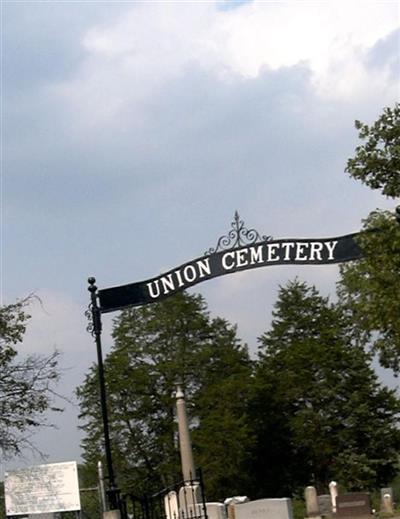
{"x":325,"y":505}
{"x":356,"y":504}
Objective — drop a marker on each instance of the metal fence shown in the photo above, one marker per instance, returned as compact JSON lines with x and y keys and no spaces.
{"x":183,"y":500}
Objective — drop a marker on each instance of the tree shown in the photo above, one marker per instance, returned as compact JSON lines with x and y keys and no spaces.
{"x":377,"y":161}
{"x":224,"y":438}
{"x":369,"y":288}
{"x":26,"y":385}
{"x":155,"y":347}
{"x":318,"y":407}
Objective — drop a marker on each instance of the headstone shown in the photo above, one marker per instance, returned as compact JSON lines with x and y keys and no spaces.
{"x":387,"y":504}
{"x":265,"y":509}
{"x":387,"y":490}
{"x":312,"y":508}
{"x":230,"y":511}
{"x":325,"y":505}
{"x":189,"y":495}
{"x":112,"y":514}
{"x":236,"y":500}
{"x":230,"y":503}
{"x":189,"y":498}
{"x":356,"y":504}
{"x":333,"y":490}
{"x":216,"y":511}
{"x":171,"y":506}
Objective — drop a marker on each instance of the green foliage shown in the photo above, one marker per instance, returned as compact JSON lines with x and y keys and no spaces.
{"x":319,"y":410}
{"x":223,"y":438}
{"x":25,"y":384}
{"x":155,"y":347}
{"x":369,"y":288}
{"x":299,"y":508}
{"x":377,"y":160}
{"x":90,"y":505}
{"x":308,"y":411}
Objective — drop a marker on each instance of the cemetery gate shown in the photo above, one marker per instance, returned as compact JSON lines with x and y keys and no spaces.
{"x":240,"y":249}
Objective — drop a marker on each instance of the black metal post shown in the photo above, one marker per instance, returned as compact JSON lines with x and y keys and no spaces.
{"x":203,"y":496}
{"x":113,"y":491}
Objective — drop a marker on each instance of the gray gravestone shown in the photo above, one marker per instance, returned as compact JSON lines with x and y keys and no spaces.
{"x":216,"y":511}
{"x":387,"y":490}
{"x":387,"y":504}
{"x":333,"y":490}
{"x":265,"y":509}
{"x":112,"y":514}
{"x":325,"y":505}
{"x":312,"y":507}
{"x":354,"y":505}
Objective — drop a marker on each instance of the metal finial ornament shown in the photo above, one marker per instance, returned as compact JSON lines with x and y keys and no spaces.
{"x":238,"y":236}
{"x":92,"y":287}
{"x":88,"y":315}
{"x":92,"y":312}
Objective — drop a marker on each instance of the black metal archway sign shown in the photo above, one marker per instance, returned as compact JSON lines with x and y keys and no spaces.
{"x":240,"y":249}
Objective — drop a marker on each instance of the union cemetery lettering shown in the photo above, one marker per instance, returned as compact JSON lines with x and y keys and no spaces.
{"x":261,"y":254}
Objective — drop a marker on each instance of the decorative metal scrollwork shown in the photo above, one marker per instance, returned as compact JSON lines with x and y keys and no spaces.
{"x":93,"y":311}
{"x":89,"y":317}
{"x":238,"y":236}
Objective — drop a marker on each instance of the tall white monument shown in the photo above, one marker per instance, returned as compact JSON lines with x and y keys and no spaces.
{"x":185,"y":444}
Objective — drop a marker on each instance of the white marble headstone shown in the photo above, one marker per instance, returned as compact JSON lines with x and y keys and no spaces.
{"x":171,"y":505}
{"x":189,"y":495}
{"x":216,"y":511}
{"x":265,"y":509}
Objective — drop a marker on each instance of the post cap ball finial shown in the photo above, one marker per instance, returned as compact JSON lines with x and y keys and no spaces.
{"x":92,"y":287}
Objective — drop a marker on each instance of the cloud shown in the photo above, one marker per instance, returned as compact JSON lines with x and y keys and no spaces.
{"x":157,"y":124}
{"x":384,"y":56}
{"x":44,"y":332}
{"x":130,"y":57}
{"x":134,"y":130}
{"x":160,"y":89}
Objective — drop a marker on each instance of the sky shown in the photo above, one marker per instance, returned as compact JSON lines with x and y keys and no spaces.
{"x":131,"y":132}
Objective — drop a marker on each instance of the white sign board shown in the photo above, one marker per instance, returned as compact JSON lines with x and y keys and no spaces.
{"x":42,"y":489}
